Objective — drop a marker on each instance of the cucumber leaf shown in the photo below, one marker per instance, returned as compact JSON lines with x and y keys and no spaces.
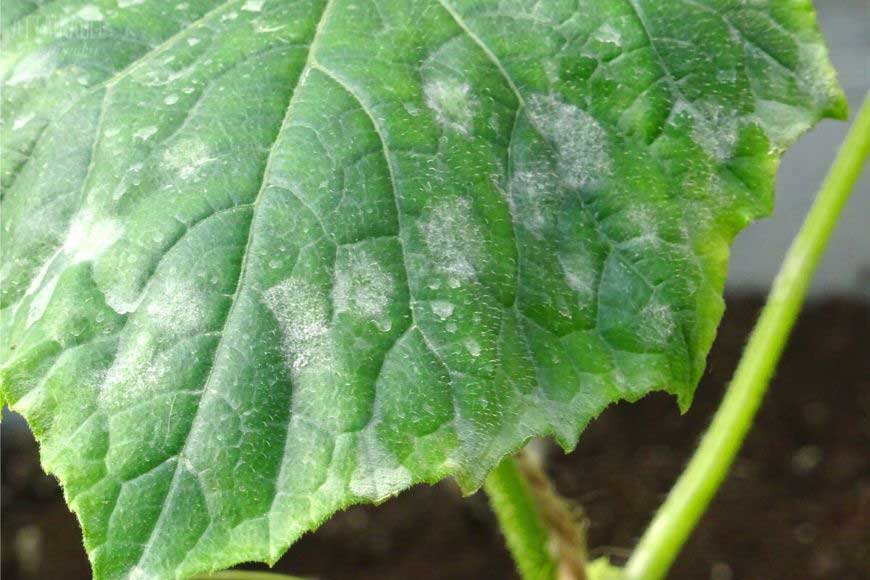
{"x":262,"y":259}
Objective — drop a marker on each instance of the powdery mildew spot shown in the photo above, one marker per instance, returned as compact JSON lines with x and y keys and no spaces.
{"x":782,"y":123}
{"x":454,"y":239}
{"x":136,"y":572}
{"x":135,"y":371}
{"x":90,"y":236}
{"x":533,"y":193}
{"x":145,"y":133}
{"x":582,"y":144}
{"x":581,"y":275}
{"x":34,"y":66}
{"x":187,"y":157}
{"x":473,"y":347}
{"x":714,"y":128}
{"x":452,"y":103}
{"x":363,"y":287}
{"x":22,"y":121}
{"x":177,"y":308}
{"x":121,"y":304}
{"x":36,"y":282}
{"x":302,"y":312}
{"x":263,"y":28}
{"x":40,"y":301}
{"x":90,"y":13}
{"x":607,"y":33}
{"x":132,"y":176}
{"x":253,"y":5}
{"x":657,"y":323}
{"x":820,"y":80}
{"x":441,"y":308}
{"x":644,"y":221}
{"x":378,"y":474}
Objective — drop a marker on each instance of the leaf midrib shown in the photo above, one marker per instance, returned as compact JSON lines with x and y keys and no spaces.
{"x":312,"y":64}
{"x":303,"y":75}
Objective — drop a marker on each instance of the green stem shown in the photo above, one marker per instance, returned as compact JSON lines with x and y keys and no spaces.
{"x":690,"y":496}
{"x":520,"y":521}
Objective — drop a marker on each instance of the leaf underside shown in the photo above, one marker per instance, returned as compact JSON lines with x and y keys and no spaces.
{"x":266,"y":259}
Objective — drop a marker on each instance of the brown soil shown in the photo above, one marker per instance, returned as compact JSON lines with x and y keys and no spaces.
{"x":796,"y":506}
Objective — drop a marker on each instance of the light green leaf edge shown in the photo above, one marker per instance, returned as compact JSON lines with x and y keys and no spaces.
{"x":215,"y":216}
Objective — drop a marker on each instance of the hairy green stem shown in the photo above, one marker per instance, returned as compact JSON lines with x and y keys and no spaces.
{"x":702,"y":477}
{"x":520,"y":521}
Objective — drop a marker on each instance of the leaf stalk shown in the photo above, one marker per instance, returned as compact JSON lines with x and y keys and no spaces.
{"x":520,"y":521}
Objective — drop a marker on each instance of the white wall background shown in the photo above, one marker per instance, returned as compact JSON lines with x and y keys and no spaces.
{"x":759,"y":249}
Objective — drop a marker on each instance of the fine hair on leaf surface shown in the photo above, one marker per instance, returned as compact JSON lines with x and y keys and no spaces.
{"x":263,"y":260}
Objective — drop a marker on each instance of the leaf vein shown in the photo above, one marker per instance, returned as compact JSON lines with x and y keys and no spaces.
{"x":241,"y":277}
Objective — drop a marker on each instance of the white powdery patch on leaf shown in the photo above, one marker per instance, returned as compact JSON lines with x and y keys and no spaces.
{"x":363,"y":287}
{"x":581,"y":275}
{"x":138,"y":573}
{"x":145,"y":133}
{"x":40,"y":301}
{"x":89,"y":236}
{"x":379,"y":474}
{"x":176,"y":307}
{"x":37,"y":281}
{"x":581,"y":142}
{"x":122,"y":304}
{"x":253,"y":5}
{"x":22,"y":121}
{"x":452,"y":102}
{"x":607,"y":33}
{"x":136,"y":371}
{"x":302,"y":312}
{"x":818,"y":78}
{"x":34,"y":66}
{"x":657,"y":323}
{"x":187,"y":157}
{"x":473,"y":347}
{"x":644,"y":221}
{"x":454,"y":239}
{"x":533,"y":194}
{"x":441,"y":309}
{"x":782,"y":123}
{"x":714,"y":127}
{"x":90,"y":13}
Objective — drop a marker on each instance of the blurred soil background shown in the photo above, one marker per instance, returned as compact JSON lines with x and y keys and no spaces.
{"x":796,"y":506}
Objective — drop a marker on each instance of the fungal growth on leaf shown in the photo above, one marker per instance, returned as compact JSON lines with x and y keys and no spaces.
{"x":262,"y":260}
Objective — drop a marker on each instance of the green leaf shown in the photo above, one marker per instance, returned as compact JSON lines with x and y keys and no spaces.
{"x":266,"y":259}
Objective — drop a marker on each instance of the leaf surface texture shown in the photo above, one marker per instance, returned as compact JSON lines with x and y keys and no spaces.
{"x":265,"y":259}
